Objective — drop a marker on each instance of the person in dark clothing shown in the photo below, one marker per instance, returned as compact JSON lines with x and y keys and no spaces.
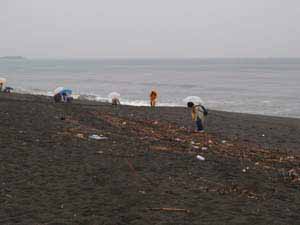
{"x":57,"y":98}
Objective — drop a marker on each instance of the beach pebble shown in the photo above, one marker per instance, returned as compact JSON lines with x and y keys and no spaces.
{"x":199,"y":157}
{"x":244,"y":170}
{"x":8,"y":196}
{"x":263,"y":135}
{"x":210,"y":141}
{"x":124,"y":123}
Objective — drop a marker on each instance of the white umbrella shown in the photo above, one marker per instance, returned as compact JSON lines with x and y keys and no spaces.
{"x":195,"y":99}
{"x":113,"y":95}
{"x":58,"y":90}
{"x":2,"y":80}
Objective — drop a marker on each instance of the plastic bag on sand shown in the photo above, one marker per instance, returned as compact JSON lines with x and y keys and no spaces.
{"x":199,"y":157}
{"x":97,"y":137}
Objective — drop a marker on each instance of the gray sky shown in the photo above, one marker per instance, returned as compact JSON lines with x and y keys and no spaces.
{"x":150,"y":28}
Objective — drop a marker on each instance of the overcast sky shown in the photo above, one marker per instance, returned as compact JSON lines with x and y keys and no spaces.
{"x":150,"y":28}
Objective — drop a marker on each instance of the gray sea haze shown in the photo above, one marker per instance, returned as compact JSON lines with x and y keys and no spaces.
{"x":260,"y":86}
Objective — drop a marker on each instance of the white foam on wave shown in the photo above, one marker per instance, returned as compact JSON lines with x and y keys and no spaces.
{"x":33,"y":91}
{"x":93,"y":97}
{"x":147,"y":103}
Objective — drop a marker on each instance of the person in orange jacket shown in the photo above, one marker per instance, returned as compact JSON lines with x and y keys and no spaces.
{"x":153,"y":97}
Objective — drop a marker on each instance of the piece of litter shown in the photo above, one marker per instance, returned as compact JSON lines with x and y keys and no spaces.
{"x":192,"y":143}
{"x":142,"y":192}
{"x":290,"y":157}
{"x":204,"y":148}
{"x":195,"y":147}
{"x":100,"y":152}
{"x":79,"y":135}
{"x":156,"y":122}
{"x":244,"y":170}
{"x":223,"y":141}
{"x":263,"y":135}
{"x":199,"y":157}
{"x":178,"y":139}
{"x":97,"y":137}
{"x":210,"y":141}
{"x":8,"y":196}
{"x":247,"y":168}
{"x":124,"y":123}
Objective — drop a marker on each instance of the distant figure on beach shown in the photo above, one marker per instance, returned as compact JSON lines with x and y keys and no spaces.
{"x":62,"y":94}
{"x":153,"y":97}
{"x":8,"y":89}
{"x":115,"y":98}
{"x":57,"y":98}
{"x":199,"y":114}
{"x":115,"y":101}
{"x":2,"y":83}
{"x":62,"y":97}
{"x":66,"y":97}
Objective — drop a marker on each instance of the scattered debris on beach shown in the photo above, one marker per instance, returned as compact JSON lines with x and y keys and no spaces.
{"x":97,"y":137}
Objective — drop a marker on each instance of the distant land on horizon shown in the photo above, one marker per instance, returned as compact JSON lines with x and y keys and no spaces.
{"x":12,"y":57}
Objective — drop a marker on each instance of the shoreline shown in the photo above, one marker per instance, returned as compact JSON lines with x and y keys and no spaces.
{"x":53,"y":172}
{"x":158,"y":106}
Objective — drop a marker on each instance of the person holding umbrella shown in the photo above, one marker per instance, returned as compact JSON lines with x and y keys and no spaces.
{"x":2,"y":83}
{"x":62,"y":94}
{"x":115,"y":98}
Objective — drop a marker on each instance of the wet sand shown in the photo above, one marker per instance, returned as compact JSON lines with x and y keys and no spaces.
{"x":146,"y":172}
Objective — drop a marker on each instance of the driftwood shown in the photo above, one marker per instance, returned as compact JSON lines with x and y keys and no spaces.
{"x":137,"y":175}
{"x":170,"y":210}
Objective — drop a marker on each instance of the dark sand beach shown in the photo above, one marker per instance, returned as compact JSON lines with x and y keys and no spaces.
{"x":146,"y":172}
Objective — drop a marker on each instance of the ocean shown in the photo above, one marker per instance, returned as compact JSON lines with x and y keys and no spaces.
{"x":258,"y":86}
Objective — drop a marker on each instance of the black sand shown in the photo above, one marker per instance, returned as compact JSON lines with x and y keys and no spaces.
{"x":52,"y":173}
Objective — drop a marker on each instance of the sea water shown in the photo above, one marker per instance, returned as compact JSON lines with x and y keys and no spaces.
{"x":260,"y":86}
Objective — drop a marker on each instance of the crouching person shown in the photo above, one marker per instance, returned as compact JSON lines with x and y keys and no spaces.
{"x":115,"y":101}
{"x":199,"y":114}
{"x":57,"y":98}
